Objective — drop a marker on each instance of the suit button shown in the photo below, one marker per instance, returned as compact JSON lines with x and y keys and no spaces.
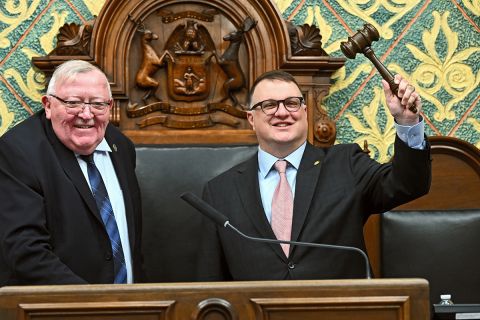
{"x":291,"y":265}
{"x":108,"y":256}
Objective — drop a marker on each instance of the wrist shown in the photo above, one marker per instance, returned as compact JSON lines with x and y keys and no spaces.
{"x":407,"y":121}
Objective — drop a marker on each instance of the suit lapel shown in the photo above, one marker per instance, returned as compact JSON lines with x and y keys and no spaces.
{"x":307,"y":177}
{"x":249,"y":190}
{"x":70,"y":165}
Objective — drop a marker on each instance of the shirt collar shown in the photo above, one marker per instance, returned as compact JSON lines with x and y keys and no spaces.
{"x":102,"y":147}
{"x":266,"y":160}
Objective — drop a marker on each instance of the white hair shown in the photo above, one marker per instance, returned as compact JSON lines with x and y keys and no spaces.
{"x":67,"y":70}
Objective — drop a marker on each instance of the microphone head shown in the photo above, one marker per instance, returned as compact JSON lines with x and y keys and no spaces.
{"x":204,"y":208}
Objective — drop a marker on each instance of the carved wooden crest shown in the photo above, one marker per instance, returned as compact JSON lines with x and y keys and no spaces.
{"x":191,"y":90}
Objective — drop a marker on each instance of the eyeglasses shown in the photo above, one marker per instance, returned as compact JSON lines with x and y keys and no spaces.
{"x":76,"y":107}
{"x":270,"y":106}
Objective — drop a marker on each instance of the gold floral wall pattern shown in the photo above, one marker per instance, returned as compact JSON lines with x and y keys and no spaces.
{"x":435,"y":44}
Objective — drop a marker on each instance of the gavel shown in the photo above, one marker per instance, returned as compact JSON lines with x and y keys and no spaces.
{"x":360,"y":43}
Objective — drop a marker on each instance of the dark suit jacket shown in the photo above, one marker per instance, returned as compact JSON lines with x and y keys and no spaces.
{"x":50,"y":230}
{"x":337,"y":188}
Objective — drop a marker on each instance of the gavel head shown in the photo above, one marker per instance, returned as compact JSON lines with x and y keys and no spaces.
{"x":359,"y":41}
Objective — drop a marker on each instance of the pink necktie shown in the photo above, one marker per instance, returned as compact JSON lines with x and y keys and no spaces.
{"x":282,"y":207}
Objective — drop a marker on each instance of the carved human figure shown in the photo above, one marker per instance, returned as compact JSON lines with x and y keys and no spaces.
{"x":191,"y":41}
{"x":190,"y":84}
{"x":190,"y":77}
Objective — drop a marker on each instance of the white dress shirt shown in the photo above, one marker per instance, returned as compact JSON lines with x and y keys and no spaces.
{"x":104,"y":164}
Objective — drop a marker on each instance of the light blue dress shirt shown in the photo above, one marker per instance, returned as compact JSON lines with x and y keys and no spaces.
{"x":413,"y":136}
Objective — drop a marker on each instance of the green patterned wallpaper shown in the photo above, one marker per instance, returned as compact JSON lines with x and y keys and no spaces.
{"x":435,"y":44}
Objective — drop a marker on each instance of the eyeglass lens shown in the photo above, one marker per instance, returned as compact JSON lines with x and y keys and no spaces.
{"x":291,"y":104}
{"x":76,"y":107}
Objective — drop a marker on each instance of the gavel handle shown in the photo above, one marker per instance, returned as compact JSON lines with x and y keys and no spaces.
{"x":385,"y":73}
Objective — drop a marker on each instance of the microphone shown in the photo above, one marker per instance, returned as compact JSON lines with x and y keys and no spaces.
{"x":220,"y":219}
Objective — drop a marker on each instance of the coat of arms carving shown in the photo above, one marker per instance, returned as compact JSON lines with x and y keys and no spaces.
{"x":188,"y":83}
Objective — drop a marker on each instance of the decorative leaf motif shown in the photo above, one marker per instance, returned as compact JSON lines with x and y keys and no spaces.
{"x":453,"y":74}
{"x":47,"y":40}
{"x":5,"y":115}
{"x":35,"y":81}
{"x":472,"y":5}
{"x":420,"y":55}
{"x":476,"y":125}
{"x":366,"y":9}
{"x":450,"y":35}
{"x":429,"y":38}
{"x":94,"y":6}
{"x":283,"y":4}
{"x":378,"y":140}
{"x":31,"y":87}
{"x":342,"y":81}
{"x":19,"y":11}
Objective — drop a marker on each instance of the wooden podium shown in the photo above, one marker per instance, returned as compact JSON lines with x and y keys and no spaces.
{"x":273,"y":300}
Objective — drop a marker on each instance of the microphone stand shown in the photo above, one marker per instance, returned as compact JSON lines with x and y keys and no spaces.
{"x":307,"y":244}
{"x":221,"y":220}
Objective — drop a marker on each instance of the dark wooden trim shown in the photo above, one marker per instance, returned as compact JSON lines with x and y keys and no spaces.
{"x":386,"y":299}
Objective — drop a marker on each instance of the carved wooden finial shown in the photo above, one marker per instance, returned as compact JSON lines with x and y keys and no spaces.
{"x":74,"y":39}
{"x":305,"y":40}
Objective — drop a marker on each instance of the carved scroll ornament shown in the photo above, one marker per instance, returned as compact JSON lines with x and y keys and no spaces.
{"x":305,"y":40}
{"x":73,"y":39}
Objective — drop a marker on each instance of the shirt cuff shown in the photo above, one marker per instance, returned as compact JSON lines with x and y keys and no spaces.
{"x":413,"y":136}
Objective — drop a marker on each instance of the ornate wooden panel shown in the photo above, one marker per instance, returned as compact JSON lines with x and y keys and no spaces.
{"x":396,"y":299}
{"x":180,"y":70}
{"x":95,"y":310}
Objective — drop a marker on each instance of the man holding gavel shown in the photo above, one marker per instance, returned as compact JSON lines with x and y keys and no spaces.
{"x":291,"y":190}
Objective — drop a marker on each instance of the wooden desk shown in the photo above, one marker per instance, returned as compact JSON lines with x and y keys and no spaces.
{"x":273,"y":300}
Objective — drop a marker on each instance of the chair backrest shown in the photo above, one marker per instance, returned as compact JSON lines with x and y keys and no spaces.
{"x":171,"y":228}
{"x":440,"y":246}
{"x":455,"y":186}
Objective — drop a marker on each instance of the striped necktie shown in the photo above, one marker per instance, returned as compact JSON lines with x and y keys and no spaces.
{"x":106,"y":212}
{"x":282,"y":207}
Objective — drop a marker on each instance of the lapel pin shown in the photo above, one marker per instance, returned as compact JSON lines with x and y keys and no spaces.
{"x":316,"y":162}
{"x":114,"y":147}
